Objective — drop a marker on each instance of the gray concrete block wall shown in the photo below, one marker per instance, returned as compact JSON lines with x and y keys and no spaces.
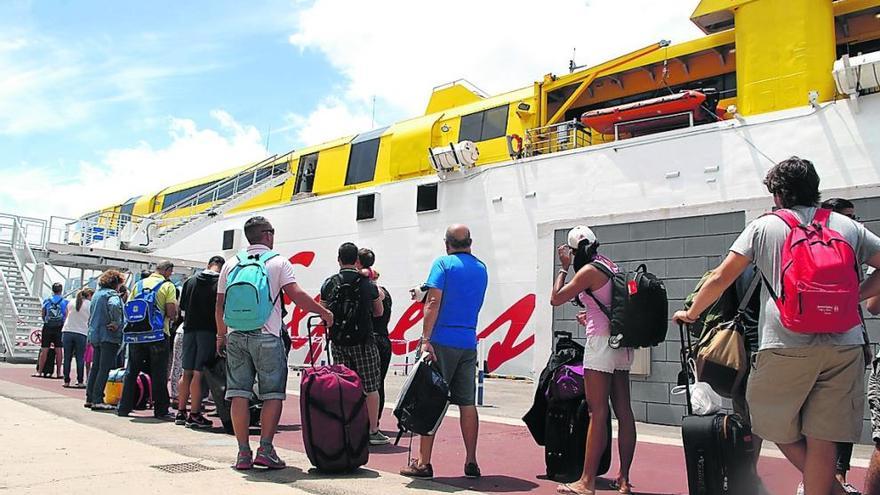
{"x":680,"y":251}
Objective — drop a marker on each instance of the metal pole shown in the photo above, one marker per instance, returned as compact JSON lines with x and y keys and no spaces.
{"x":480,"y":377}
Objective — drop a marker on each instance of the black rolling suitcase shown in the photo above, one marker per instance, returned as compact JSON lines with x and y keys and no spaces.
{"x":718,"y":449}
{"x":565,"y":439}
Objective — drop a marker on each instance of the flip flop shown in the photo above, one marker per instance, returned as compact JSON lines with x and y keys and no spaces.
{"x":615,"y":485}
{"x":566,"y":489}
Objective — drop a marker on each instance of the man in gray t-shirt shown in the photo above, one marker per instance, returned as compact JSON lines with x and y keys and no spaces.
{"x":762,"y":242}
{"x":805,"y":392}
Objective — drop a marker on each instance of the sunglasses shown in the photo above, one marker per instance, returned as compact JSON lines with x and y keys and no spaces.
{"x":269,"y":231}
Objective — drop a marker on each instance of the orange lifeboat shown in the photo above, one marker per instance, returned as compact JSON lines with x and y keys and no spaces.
{"x":653,"y":115}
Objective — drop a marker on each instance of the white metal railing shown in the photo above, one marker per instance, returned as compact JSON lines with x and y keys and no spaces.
{"x":9,"y":316}
{"x":23,"y":234}
{"x":563,"y":136}
{"x":230,"y":186}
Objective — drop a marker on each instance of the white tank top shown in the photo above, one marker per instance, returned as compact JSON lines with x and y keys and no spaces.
{"x":78,"y":321}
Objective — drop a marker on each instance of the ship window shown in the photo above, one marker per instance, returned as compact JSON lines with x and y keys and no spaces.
{"x":362,"y":162}
{"x":426,"y":197}
{"x":366,"y":207}
{"x":305,"y":173}
{"x":228,"y":239}
{"x":485,"y":125}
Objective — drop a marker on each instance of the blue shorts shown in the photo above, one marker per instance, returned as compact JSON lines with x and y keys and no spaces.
{"x":255,"y":355}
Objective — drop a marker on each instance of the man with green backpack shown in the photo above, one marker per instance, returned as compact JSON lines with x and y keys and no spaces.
{"x":249,"y":325}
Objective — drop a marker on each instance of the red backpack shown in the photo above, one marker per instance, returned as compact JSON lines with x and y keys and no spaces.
{"x":820,"y":278}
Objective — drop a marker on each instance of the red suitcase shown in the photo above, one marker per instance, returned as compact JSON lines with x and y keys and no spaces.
{"x":335,"y":425}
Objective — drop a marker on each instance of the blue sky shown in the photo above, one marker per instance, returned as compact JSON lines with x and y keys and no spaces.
{"x":103,"y":100}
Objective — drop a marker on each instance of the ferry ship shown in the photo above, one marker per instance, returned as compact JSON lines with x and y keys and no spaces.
{"x":662,"y":150}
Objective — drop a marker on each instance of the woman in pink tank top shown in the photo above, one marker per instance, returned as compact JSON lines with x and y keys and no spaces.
{"x":606,"y":370}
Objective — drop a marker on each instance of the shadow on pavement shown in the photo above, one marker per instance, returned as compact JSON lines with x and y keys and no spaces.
{"x":289,"y":474}
{"x":489,"y":483}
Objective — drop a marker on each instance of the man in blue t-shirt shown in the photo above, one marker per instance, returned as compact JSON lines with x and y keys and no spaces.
{"x":54,"y":313}
{"x":456,"y":289}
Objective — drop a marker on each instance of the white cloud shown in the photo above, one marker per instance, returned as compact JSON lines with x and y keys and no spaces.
{"x":331,"y":119}
{"x":126,"y":172}
{"x":397,"y":50}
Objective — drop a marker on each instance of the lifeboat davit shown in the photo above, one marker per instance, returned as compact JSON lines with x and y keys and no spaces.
{"x":642,"y":116}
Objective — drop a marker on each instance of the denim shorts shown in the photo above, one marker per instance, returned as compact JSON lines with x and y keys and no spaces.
{"x":255,"y":355}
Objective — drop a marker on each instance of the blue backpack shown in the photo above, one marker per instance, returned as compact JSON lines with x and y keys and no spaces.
{"x":144,"y":320}
{"x":249,"y":299}
{"x":55,"y":313}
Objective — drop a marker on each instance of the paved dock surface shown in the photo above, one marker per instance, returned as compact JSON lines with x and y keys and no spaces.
{"x":58,"y":445}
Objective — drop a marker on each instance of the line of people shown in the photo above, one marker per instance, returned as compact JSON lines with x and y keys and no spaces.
{"x":256,"y":359}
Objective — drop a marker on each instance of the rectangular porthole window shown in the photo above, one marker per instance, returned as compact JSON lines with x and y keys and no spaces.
{"x":366,"y":207}
{"x":426,"y":197}
{"x":228,"y":239}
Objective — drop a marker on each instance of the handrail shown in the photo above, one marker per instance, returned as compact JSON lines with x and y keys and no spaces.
{"x":194,"y":199}
{"x":8,"y":321}
{"x":8,"y":293}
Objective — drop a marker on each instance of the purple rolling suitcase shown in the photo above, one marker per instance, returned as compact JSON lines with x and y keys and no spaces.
{"x":335,"y":426}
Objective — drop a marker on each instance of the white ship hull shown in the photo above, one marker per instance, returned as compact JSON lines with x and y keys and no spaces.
{"x":514,"y":209}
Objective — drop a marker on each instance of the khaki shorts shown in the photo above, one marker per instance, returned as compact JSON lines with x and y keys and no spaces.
{"x":815,"y":392}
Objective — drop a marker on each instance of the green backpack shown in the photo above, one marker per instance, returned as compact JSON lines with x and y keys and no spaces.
{"x":724,"y":309}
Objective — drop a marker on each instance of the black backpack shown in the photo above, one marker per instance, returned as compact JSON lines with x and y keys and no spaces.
{"x":423,"y":401}
{"x":344,"y":302}
{"x":639,"y":312}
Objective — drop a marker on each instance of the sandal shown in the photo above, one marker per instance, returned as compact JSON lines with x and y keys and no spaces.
{"x":566,"y":489}
{"x":615,"y":485}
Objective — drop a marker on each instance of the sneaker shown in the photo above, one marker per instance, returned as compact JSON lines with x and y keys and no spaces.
{"x":268,"y":458}
{"x":88,"y":405}
{"x":167,"y":416}
{"x":416,"y":471}
{"x":101,"y":406}
{"x":198,"y":422}
{"x":180,"y":419}
{"x":471,"y":470}
{"x":800,"y":490}
{"x":244,"y":461}
{"x":379,"y":438}
{"x":851,"y":489}
{"x":79,"y":385}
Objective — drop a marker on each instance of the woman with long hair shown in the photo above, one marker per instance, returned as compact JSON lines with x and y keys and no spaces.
{"x":74,"y":335}
{"x":105,"y":335}
{"x":606,"y":370}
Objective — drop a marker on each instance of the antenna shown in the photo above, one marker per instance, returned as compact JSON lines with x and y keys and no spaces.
{"x":268,"y":135}
{"x":571,"y":64}
{"x":373,"y":117}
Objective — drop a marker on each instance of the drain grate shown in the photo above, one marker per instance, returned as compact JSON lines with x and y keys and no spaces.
{"x":183,"y":467}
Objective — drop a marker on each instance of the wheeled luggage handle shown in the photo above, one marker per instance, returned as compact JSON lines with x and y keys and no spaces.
{"x":685,"y":350}
{"x":309,"y":326}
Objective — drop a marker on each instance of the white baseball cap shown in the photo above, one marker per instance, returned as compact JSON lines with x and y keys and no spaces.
{"x":578,"y":234}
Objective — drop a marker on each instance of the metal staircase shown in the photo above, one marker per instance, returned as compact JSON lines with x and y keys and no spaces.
{"x":191,"y":214}
{"x":20,"y":310}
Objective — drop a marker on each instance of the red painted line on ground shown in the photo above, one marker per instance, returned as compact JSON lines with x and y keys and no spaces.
{"x":510,"y":460}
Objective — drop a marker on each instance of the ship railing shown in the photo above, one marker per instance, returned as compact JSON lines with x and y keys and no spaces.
{"x":229,"y":187}
{"x":554,"y":138}
{"x":9,"y":316}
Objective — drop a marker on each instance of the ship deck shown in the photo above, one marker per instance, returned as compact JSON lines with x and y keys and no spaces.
{"x":510,"y":460}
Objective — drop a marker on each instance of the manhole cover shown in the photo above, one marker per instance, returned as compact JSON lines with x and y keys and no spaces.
{"x":183,"y":467}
